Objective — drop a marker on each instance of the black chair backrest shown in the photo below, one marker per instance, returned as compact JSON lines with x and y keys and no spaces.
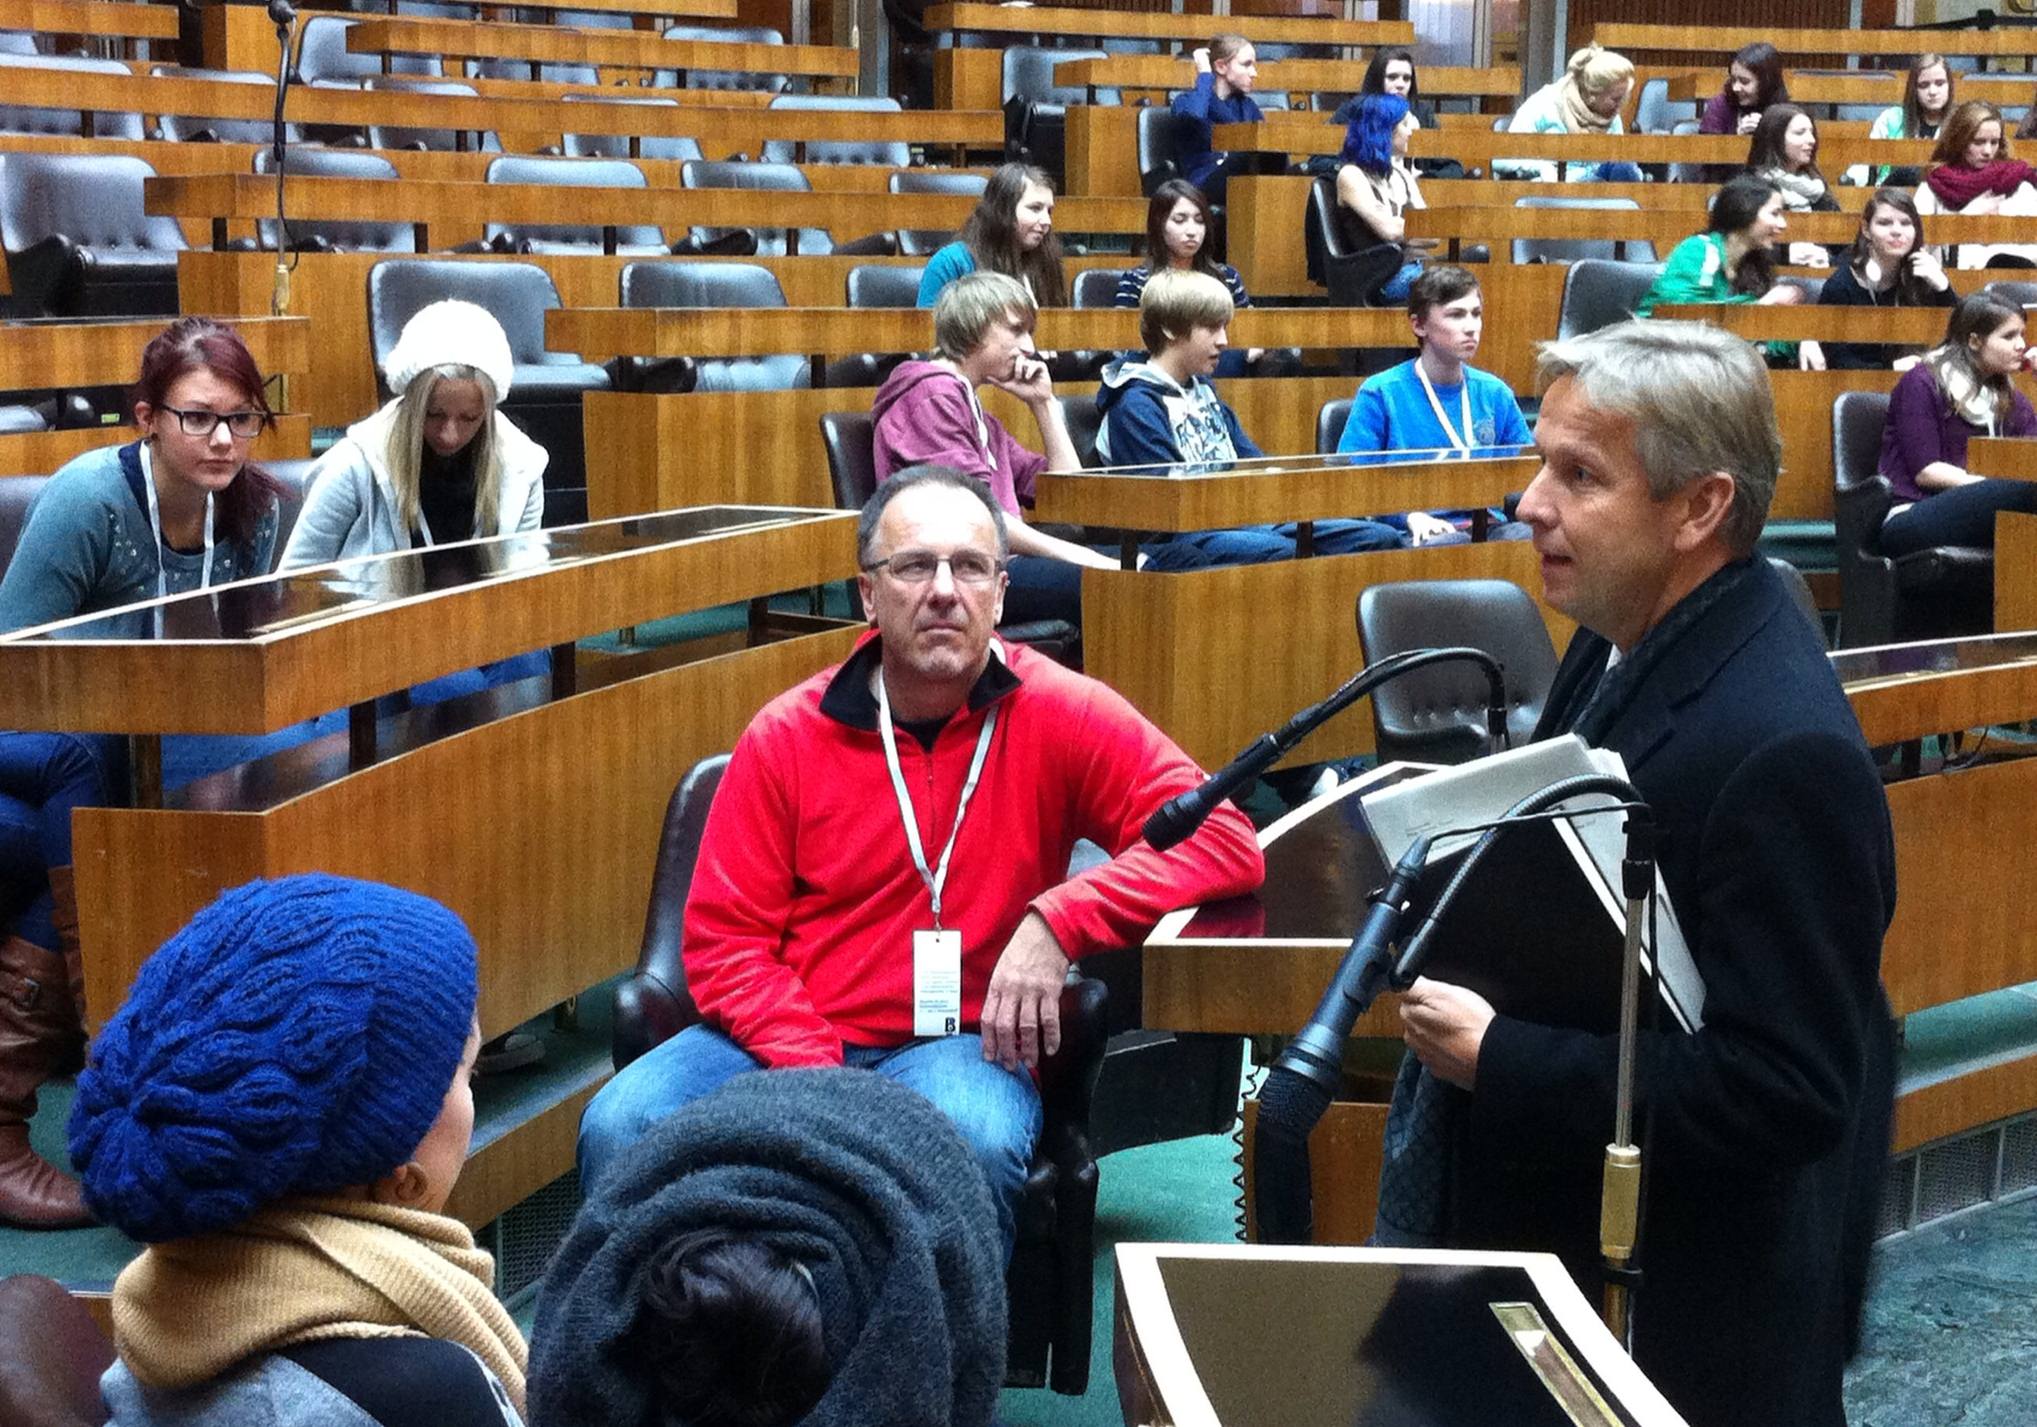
{"x":723,"y":78}
{"x":893,"y":153}
{"x":917,"y":242}
{"x":17,"y":493}
{"x":1096,"y":287}
{"x":678,"y":283}
{"x":884,"y":285}
{"x":616,"y":146}
{"x":323,"y":56}
{"x":1029,"y":76}
{"x":180,"y":128}
{"x":1437,"y":714}
{"x":1799,"y":591}
{"x":569,"y":173}
{"x":1084,"y":421}
{"x":322,"y":162}
{"x":517,"y":294}
{"x":1572,"y":250}
{"x":783,"y":178}
{"x":1159,"y":131}
{"x":69,"y":122}
{"x":1598,"y":293}
{"x":2016,"y":294}
{"x":1330,"y":424}
{"x":1857,"y":421}
{"x":850,"y":438}
{"x":1322,"y":235}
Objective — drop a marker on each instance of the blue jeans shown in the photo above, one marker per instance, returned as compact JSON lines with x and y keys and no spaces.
{"x":1395,"y":288}
{"x":43,"y":776}
{"x":996,"y":1110}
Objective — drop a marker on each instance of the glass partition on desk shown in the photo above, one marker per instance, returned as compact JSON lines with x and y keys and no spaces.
{"x":278,"y":604}
{"x":1313,"y":461}
{"x":1894,"y":663}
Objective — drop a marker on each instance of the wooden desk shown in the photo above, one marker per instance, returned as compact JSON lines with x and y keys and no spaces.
{"x":538,"y":826}
{"x":1864,"y":88}
{"x":2015,"y":571}
{"x":600,"y":333}
{"x":2009,"y":457}
{"x":1295,"y":134}
{"x":98,"y":93}
{"x":429,"y":206}
{"x":91,"y":17}
{"x":1498,"y":227}
{"x":555,"y":44}
{"x":657,"y":9}
{"x":1284,"y":76}
{"x":1725,"y":40}
{"x":972,"y":78}
{"x":1758,"y":322}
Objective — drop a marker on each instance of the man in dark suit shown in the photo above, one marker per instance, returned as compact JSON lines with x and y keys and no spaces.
{"x":1767,"y":1129}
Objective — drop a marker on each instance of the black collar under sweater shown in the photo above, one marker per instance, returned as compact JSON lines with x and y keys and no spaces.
{"x":848,"y":699}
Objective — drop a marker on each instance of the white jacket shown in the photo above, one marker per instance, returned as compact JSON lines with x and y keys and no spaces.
{"x":350,"y":509}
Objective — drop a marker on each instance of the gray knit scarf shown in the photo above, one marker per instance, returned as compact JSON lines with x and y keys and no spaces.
{"x":858,"y":1178}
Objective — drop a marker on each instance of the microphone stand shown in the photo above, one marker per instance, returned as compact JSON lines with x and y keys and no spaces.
{"x":284,"y":15}
{"x":1175,"y":819}
{"x":1304,"y":1078}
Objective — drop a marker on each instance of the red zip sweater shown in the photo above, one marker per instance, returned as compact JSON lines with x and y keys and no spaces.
{"x":805,"y":898}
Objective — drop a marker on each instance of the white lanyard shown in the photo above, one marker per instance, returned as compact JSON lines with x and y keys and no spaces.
{"x":1461,"y":443}
{"x":148,"y":490}
{"x":938,"y":878}
{"x":982,"y":426}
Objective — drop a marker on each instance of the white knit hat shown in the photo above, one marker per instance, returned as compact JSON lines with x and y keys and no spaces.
{"x":451,"y":333}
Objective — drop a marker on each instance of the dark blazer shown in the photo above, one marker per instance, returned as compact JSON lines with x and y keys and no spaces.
{"x":1768,"y":1130}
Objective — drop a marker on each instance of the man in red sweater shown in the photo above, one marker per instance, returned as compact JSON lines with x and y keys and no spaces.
{"x":883,"y":881}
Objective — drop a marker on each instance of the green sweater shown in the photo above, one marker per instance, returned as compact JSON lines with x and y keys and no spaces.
{"x":1696,"y":272}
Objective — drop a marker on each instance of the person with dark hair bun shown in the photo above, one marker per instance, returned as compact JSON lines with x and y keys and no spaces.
{"x":279,"y":1113}
{"x":179,"y":509}
{"x":806,"y":1246}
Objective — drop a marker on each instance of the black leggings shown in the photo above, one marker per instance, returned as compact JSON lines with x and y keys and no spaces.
{"x":1961,"y":515}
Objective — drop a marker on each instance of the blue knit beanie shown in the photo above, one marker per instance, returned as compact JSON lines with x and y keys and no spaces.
{"x":298,"y":1037}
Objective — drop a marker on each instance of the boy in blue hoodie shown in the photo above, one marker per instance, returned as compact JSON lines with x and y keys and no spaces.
{"x":1438,"y":401}
{"x":1162,"y":410}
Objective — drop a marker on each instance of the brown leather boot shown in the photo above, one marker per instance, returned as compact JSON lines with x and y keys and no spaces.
{"x":35,"y":1020}
{"x":64,"y":916}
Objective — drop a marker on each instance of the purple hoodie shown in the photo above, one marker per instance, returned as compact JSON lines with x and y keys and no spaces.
{"x":924,"y":412}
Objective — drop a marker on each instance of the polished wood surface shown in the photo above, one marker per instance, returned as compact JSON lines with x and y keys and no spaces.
{"x":675,"y":9}
{"x":1305,"y":133}
{"x":1924,"y":699}
{"x":1346,"y":1153}
{"x":600,"y":333}
{"x":1725,"y":39}
{"x":1981,"y":1096}
{"x":2015,"y":571}
{"x":984,"y":19}
{"x":1288,"y":76}
{"x":1866,"y":88}
{"x":64,"y":89}
{"x":65,"y":354}
{"x":428,"y":206}
{"x":511,"y":1167}
{"x":91,"y":17}
{"x":1666,"y":228}
{"x":43,"y":451}
{"x":1317,"y":489}
{"x":469,"y":39}
{"x":2009,"y":457}
{"x":1174,"y":645}
{"x":1761,"y":322}
{"x":540,"y":830}
{"x":353,"y":654}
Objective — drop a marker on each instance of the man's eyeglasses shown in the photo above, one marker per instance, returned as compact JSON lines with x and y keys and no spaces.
{"x":916,"y":567}
{"x":245,"y":425}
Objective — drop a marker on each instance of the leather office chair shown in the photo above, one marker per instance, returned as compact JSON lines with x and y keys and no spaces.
{"x":874,"y":152}
{"x":1438,"y":714}
{"x":1598,"y":293}
{"x":770,"y":242}
{"x":637,"y":241}
{"x":544,"y":398}
{"x":15,"y":119}
{"x":616,"y":146}
{"x":520,"y":69}
{"x":921,"y":242}
{"x":698,"y":284}
{"x":1330,"y":423}
{"x":1799,"y":591}
{"x":326,"y":236}
{"x":883,"y":285}
{"x":180,"y":128}
{"x":1049,"y":1283}
{"x":722,"y":78}
{"x":849,"y":437}
{"x":324,"y":61}
{"x":1036,"y":108}
{"x":442,"y":141}
{"x":78,"y":241}
{"x":17,"y":494}
{"x":55,"y":1355}
{"x":1084,"y":421}
{"x":1158,"y":136}
{"x":2016,"y":294}
{"x":1931,"y":594}
{"x":1571,"y":250}
{"x":1095,"y":287}
{"x":1352,"y":275}
{"x":1656,"y":113}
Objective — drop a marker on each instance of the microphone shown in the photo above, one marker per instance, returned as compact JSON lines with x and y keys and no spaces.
{"x":1178,"y":817}
{"x":282,"y":14}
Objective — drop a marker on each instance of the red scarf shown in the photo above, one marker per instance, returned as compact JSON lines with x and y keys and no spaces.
{"x":1957,"y":185}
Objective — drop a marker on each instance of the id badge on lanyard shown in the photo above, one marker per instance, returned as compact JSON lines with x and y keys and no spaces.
{"x":1457,"y":442}
{"x":936,"y":951}
{"x":148,"y":489}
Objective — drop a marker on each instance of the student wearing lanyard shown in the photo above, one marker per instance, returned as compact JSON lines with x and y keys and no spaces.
{"x":1438,"y":401}
{"x":438,"y":463}
{"x":883,"y":880}
{"x":179,"y":509}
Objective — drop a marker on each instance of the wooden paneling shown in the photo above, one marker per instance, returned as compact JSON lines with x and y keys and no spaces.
{"x":1176,"y":646}
{"x":35,"y":452}
{"x":1345,"y":1158}
{"x":977,"y":18}
{"x":540,"y":830}
{"x":1978,"y":1097}
{"x":509,"y":1169}
{"x":2015,"y":571}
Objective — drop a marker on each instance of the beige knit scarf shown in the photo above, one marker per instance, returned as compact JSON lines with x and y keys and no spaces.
{"x":187,"y":1311}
